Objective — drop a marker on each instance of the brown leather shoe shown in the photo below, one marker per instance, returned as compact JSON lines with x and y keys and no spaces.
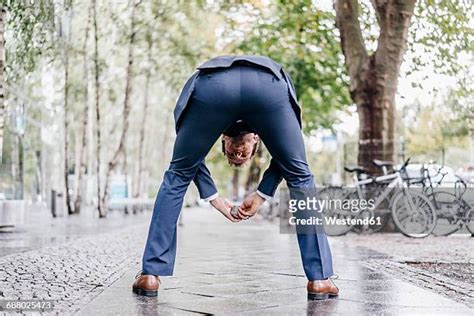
{"x":146,"y":285}
{"x":321,"y":289}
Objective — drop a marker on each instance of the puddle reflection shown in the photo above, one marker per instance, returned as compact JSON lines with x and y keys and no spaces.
{"x":146,"y":305}
{"x":326,"y":306}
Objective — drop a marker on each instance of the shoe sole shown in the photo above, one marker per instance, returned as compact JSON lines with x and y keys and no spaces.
{"x":320,"y":296}
{"x":145,"y":292}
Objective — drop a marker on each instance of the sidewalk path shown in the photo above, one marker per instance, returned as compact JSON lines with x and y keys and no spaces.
{"x":222,"y":268}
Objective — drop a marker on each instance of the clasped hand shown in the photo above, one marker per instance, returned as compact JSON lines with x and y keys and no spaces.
{"x":249,"y":207}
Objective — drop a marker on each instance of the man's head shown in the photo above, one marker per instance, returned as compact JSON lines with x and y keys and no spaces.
{"x":240,"y":149}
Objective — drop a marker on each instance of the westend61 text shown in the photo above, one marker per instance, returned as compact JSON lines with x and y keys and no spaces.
{"x":334,"y":221}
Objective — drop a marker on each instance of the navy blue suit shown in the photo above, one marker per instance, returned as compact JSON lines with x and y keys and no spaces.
{"x":224,"y":90}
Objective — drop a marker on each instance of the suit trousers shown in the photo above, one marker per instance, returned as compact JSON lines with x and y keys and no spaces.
{"x":220,"y":98}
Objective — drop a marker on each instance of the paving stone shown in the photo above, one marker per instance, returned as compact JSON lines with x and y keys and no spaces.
{"x":222,"y":268}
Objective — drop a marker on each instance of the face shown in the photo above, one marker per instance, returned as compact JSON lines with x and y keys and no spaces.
{"x":239,"y":150}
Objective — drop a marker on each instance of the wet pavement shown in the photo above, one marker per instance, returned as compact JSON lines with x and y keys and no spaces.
{"x":222,"y":268}
{"x":41,"y":229}
{"x":441,"y":264}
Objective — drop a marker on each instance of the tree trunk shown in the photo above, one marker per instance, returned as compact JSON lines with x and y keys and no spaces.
{"x":17,"y":166}
{"x":121,"y":150}
{"x":67,"y":196}
{"x":374,"y":78}
{"x":66,"y":138}
{"x":2,"y":77}
{"x":141,"y":145}
{"x":80,"y":168}
{"x":166,"y":139}
{"x":254,"y":171}
{"x":38,"y":178}
{"x":100,"y":206}
{"x":235,"y":184}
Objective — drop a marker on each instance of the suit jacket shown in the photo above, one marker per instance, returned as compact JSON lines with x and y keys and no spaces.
{"x":272,"y":176}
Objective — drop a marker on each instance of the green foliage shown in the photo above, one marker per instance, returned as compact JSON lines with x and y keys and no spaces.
{"x":439,"y":131}
{"x":460,"y":122}
{"x":425,"y":136}
{"x":304,"y":40}
{"x":442,"y":30}
{"x":29,"y":27}
{"x":183,"y":34}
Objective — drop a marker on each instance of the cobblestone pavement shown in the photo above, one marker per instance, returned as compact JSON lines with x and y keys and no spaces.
{"x":42,"y":230}
{"x":222,"y":268}
{"x":65,"y":268}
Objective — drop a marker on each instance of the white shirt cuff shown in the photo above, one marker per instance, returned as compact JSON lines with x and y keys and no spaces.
{"x":264,"y":196}
{"x":212,"y":197}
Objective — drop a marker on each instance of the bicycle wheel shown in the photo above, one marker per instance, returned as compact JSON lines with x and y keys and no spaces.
{"x":413,"y":214}
{"x":447,"y":208}
{"x":336,"y":220}
{"x":381,"y":215}
{"x":469,"y":218}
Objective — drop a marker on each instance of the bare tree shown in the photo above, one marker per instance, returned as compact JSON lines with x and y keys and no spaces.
{"x":374,"y":77}
{"x":79,"y":168}
{"x":121,"y":150}
{"x":139,"y":182}
{"x":100,"y":206}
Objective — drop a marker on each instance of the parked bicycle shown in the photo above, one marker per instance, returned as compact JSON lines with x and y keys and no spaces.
{"x":453,"y":211}
{"x":411,"y":211}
